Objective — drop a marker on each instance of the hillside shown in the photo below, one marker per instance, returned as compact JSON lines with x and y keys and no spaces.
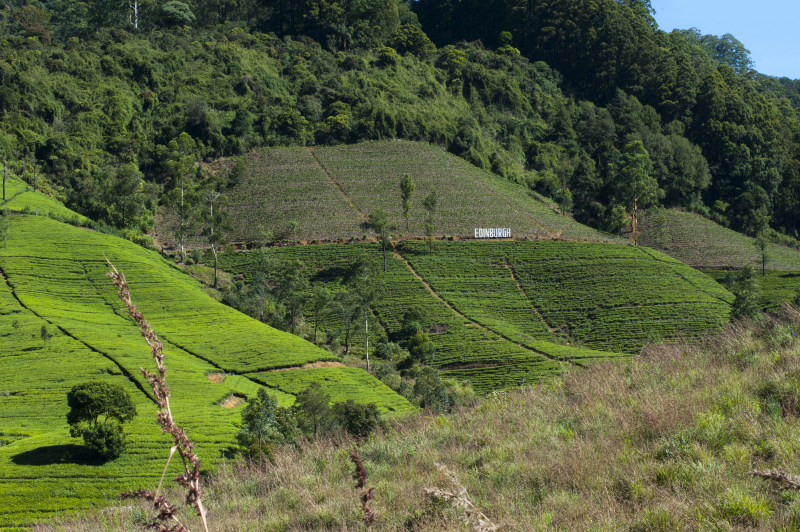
{"x":325,"y":193}
{"x":704,"y":244}
{"x":53,"y":278}
{"x":663,"y":442}
{"x":504,"y":313}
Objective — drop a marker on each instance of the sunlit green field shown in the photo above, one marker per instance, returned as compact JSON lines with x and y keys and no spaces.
{"x":504,"y":313}
{"x":55,"y":277}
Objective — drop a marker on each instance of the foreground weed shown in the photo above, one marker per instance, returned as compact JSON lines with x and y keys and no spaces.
{"x":460,"y":499}
{"x":366,"y":494}
{"x":190,"y":479}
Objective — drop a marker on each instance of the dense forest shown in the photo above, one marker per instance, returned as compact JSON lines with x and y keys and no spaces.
{"x":109,"y":104}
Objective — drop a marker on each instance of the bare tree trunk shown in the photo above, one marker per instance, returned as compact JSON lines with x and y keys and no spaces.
{"x":366,"y":332}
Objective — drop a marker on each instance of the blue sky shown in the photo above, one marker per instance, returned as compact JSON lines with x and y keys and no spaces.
{"x":770,"y":29}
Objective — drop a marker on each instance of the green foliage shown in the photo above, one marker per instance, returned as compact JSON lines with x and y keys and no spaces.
{"x":314,"y":407}
{"x":265,"y":425}
{"x":421,"y":348}
{"x":746,"y":289}
{"x":360,"y":420}
{"x":90,"y":401}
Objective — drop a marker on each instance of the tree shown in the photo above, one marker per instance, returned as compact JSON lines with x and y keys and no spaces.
{"x":406,"y":190}
{"x":357,"y":419}
{"x":378,"y":221}
{"x":181,"y":168}
{"x":264,"y":425}
{"x":97,"y":411}
{"x":430,"y":203}
{"x":215,"y":223}
{"x":746,"y":290}
{"x":315,"y":405}
{"x":761,"y":243}
{"x":420,"y":347}
{"x":320,"y":299}
{"x":637,"y":187}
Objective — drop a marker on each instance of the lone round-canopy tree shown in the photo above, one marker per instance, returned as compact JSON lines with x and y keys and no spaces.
{"x":97,"y":411}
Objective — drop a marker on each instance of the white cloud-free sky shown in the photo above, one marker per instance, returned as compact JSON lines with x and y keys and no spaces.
{"x":770,"y":29}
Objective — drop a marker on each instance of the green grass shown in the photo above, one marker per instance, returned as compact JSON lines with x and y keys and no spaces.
{"x":57,"y":274}
{"x":704,"y":244}
{"x":504,"y":313}
{"x":328,"y":190}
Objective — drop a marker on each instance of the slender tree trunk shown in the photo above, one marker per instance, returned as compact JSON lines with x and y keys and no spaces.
{"x":383,"y":240}
{"x":366,"y":332}
{"x":214,"y":251}
{"x":5,"y":176}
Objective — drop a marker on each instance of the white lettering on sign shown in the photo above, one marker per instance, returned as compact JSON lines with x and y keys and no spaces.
{"x":492,"y":232}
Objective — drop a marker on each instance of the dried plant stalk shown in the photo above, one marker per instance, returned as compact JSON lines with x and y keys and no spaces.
{"x":190,"y":479}
{"x":787,"y":481}
{"x":460,"y":499}
{"x":366,"y":494}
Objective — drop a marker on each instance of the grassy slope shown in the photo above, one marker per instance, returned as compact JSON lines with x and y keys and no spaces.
{"x":20,"y":196}
{"x":328,"y":190}
{"x":704,"y":244}
{"x":664,"y":442}
{"x":57,"y":275}
{"x":499,"y":312}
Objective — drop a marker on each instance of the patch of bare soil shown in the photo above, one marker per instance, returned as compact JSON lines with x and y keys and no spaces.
{"x":311,"y":365}
{"x":232,"y":402}
{"x":216,"y":378}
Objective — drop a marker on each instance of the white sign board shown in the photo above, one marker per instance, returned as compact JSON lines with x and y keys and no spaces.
{"x":492,"y":232}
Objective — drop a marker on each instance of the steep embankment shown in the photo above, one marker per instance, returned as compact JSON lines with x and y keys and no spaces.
{"x":54,"y":283}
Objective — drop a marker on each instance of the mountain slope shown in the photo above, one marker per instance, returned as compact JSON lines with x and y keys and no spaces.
{"x":329,"y":191}
{"x":702,"y":243}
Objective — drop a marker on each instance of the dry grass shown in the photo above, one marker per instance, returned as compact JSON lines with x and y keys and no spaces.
{"x":663,"y":442}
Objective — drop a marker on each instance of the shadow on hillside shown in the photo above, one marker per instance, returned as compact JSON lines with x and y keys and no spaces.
{"x":57,"y":454}
{"x":789,"y":275}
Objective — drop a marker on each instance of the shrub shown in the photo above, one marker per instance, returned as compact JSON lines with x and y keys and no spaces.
{"x":357,"y":419}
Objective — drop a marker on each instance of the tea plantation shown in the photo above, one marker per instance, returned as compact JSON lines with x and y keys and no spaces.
{"x":702,"y":243}
{"x":54,"y":276}
{"x":504,"y":313}
{"x":329,"y":190}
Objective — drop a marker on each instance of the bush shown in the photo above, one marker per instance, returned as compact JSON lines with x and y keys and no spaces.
{"x":357,"y":419}
{"x":107,"y":440}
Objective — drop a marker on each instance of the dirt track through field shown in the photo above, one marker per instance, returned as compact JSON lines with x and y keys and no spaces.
{"x":337,"y":184}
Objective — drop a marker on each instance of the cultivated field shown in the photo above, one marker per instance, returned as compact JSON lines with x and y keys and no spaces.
{"x":329,"y":191}
{"x":21,"y":197}
{"x":504,"y":313}
{"x":703,"y":244}
{"x":54,"y":276}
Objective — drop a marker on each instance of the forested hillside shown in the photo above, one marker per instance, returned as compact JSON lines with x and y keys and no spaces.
{"x":588,"y":103}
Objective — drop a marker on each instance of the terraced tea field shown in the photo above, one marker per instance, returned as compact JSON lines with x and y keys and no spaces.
{"x":777,"y":287}
{"x":328,"y":191}
{"x":703,"y":244}
{"x":20,"y":196}
{"x":54,"y":275}
{"x":502,"y":313}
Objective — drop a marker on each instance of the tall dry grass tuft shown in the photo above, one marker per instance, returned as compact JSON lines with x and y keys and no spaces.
{"x":190,"y":479}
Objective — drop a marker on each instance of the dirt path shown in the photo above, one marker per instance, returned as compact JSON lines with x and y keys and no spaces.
{"x":467,"y":318}
{"x":337,"y":184}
